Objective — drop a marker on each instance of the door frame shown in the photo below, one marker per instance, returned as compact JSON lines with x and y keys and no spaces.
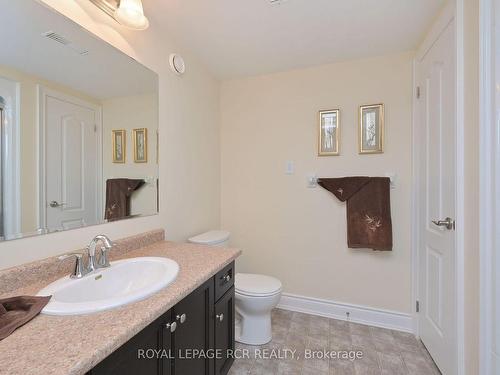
{"x":43,"y":93}
{"x":489,"y":162}
{"x":453,"y":10}
{"x":12,"y":191}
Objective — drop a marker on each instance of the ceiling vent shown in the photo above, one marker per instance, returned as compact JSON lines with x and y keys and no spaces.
{"x":277,"y":2}
{"x":65,"y":42}
{"x":58,"y":38}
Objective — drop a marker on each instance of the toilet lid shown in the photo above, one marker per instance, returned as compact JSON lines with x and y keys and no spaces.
{"x":256,"y":285}
{"x":213,"y":237}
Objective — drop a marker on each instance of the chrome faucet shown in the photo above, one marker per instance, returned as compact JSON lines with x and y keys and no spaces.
{"x":103,"y":262}
{"x":103,"y":258}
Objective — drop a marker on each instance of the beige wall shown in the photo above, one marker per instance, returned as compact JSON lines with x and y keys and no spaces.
{"x":189,"y":142}
{"x":296,"y":233}
{"x":130,"y":113}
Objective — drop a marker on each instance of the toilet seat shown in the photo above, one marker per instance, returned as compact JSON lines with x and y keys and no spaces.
{"x":254,"y":285}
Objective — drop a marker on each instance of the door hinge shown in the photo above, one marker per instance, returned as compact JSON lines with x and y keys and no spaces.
{"x":417,"y":306}
{"x":418,"y":92}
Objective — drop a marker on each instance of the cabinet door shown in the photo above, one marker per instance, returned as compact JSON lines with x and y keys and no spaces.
{"x":166,"y":344}
{"x":195,"y":332}
{"x":224,"y":332}
{"x":139,"y":356}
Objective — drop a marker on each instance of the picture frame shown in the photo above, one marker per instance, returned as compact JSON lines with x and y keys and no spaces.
{"x":119,"y":140}
{"x":141,"y":145}
{"x":371,"y":129}
{"x":329,"y":133}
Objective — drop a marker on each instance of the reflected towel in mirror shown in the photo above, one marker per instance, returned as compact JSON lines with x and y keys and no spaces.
{"x":118,"y":194}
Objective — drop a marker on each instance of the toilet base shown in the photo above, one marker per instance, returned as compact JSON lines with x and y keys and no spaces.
{"x":254,"y":330}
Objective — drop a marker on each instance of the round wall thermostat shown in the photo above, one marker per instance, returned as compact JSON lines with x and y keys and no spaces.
{"x":177,"y":64}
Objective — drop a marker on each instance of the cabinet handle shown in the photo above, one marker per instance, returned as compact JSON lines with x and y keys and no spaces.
{"x":226,"y":278}
{"x":220,"y":317}
{"x":172,"y":326}
{"x":182,"y":318}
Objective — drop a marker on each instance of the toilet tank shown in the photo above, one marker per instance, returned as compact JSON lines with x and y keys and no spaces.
{"x":218,"y":238}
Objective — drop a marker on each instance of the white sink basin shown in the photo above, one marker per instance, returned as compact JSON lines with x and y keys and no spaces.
{"x":126,"y":281}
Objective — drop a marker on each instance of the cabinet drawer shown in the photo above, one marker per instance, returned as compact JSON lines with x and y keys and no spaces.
{"x":224,"y":280}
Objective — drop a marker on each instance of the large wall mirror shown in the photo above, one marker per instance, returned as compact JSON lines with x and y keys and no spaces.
{"x":79,"y":126}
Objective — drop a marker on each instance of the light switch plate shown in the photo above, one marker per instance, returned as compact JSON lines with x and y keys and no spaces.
{"x":290,"y":167}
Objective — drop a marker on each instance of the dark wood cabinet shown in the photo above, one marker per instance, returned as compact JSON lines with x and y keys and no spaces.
{"x":224,"y":332}
{"x":194,"y":335}
{"x":166,"y":348}
{"x":138,"y":356}
{"x":197,"y":326}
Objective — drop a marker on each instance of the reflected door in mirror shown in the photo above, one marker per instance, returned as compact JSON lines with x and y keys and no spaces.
{"x":72,"y":168}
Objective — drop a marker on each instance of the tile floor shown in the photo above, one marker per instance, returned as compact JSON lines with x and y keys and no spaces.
{"x":385,"y":352}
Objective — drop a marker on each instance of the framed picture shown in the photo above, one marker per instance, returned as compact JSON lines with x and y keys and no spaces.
{"x":119,"y":146}
{"x":371,"y":129}
{"x":329,"y":133}
{"x":141,"y":145}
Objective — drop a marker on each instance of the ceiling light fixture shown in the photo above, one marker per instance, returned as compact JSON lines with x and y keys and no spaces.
{"x":128,"y":13}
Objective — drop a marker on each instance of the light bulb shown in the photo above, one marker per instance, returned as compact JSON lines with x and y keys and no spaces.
{"x":131,"y":14}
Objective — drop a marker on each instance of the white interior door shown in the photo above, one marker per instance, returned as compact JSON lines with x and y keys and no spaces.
{"x":71,"y":163}
{"x":435,"y":77}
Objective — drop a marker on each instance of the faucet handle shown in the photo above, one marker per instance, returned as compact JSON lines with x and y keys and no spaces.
{"x":78,"y":272}
{"x":103,"y":258}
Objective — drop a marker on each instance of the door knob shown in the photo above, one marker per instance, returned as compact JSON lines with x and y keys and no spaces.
{"x":171,"y":326}
{"x":182,"y":318}
{"x":448,"y":223}
{"x":55,"y":204}
{"x":220,"y":317}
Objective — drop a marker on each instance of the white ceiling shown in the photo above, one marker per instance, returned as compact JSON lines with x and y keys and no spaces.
{"x":235,"y":38}
{"x":103,"y":73}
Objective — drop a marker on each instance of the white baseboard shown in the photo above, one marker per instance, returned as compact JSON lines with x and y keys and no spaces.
{"x":357,"y":314}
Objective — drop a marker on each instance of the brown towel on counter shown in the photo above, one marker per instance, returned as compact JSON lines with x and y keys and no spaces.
{"x":17,"y":311}
{"x":369,"y":223}
{"x":118,"y":194}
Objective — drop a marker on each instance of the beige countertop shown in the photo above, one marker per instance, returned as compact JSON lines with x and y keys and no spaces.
{"x":75,"y":344}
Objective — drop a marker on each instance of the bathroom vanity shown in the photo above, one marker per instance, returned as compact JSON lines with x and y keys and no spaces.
{"x":195,"y":312}
{"x":196,"y":336}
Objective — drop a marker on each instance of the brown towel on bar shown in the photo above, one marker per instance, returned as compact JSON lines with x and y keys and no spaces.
{"x":118,"y":193}
{"x":17,"y":311}
{"x":368,"y":199}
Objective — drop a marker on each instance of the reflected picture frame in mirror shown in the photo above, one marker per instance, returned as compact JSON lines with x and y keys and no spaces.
{"x":371,"y":129}
{"x":140,"y":145}
{"x":119,"y":146}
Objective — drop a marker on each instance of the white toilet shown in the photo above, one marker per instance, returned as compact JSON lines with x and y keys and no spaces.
{"x":256,"y":296}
